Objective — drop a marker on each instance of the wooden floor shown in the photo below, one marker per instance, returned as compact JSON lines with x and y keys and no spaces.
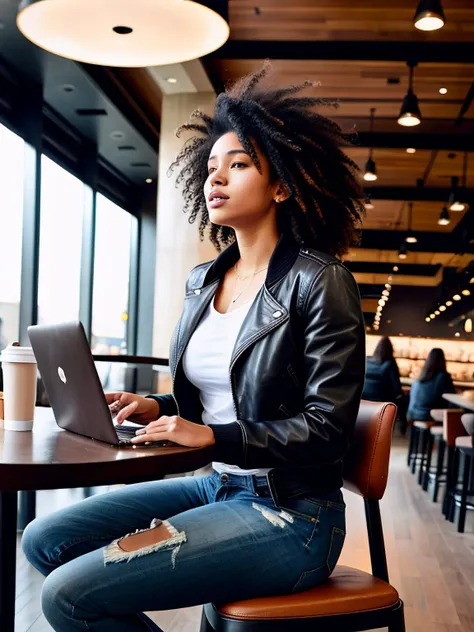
{"x":430,"y":564}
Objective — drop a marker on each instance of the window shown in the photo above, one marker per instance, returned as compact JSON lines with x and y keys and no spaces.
{"x":11,"y":221}
{"x":61,"y":215}
{"x":110,"y":298}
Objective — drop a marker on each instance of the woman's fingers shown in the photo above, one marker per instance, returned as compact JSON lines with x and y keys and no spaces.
{"x":126,"y":412}
{"x":110,"y":398}
{"x":157,"y":435}
{"x":160,"y":425}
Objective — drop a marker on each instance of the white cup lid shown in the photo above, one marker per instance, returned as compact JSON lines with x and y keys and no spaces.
{"x":18,"y":354}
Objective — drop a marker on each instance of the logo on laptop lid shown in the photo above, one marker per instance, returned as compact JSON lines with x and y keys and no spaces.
{"x":62,"y":375}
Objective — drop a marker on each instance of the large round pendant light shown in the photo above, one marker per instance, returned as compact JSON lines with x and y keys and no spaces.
{"x":429,"y":15}
{"x":124,"y":33}
{"x":410,"y":114}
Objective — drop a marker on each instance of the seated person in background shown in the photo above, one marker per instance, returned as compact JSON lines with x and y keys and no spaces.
{"x":382,"y":379}
{"x":427,"y":391}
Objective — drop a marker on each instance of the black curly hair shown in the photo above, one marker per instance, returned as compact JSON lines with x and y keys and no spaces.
{"x":325,"y":203}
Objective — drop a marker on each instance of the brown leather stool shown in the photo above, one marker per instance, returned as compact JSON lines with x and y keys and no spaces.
{"x":351,"y":599}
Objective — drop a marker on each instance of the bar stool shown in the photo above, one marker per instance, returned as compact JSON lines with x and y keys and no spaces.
{"x":452,"y":429}
{"x":419,"y":429}
{"x":435,"y":439}
{"x":464,"y":463}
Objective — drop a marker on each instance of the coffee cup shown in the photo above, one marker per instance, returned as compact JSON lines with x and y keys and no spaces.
{"x":19,"y":387}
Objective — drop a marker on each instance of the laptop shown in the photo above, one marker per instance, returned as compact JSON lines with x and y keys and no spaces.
{"x":73,"y":387}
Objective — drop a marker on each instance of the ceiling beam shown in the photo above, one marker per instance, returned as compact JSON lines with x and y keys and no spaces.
{"x":402,"y":140}
{"x":441,"y":52}
{"x":427,"y":241}
{"x":367,"y":278}
{"x":414,"y":194}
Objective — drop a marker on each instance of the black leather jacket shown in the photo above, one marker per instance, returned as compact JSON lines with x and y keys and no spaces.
{"x":297,"y":369}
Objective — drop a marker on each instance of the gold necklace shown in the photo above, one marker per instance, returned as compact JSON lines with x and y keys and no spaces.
{"x":251,"y":276}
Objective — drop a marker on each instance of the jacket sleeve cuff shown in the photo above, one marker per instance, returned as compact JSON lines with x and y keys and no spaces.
{"x":229,"y":446}
{"x":166,"y":403}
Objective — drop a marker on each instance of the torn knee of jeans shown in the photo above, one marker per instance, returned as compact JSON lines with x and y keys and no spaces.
{"x":279,"y":519}
{"x":161,"y":535}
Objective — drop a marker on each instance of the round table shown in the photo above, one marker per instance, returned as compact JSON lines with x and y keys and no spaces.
{"x":51,"y":458}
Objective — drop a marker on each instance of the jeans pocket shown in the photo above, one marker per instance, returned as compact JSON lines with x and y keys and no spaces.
{"x":335,"y":547}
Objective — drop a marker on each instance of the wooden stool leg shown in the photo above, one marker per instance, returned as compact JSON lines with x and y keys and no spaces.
{"x":423,"y":448}
{"x":465,"y":484}
{"x":429,"y":454}
{"x":439,"y":467}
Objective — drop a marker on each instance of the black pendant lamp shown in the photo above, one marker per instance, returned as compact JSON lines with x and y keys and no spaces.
{"x":403,"y":253}
{"x":444,"y":218}
{"x":410,"y":238}
{"x":410,"y":114}
{"x":429,"y":15}
{"x":457,"y":195}
{"x":370,"y":171}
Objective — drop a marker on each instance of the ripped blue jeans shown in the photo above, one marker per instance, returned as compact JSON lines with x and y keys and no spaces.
{"x":227,"y":541}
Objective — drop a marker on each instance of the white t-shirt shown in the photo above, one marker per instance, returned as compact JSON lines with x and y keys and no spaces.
{"x":206,"y":364}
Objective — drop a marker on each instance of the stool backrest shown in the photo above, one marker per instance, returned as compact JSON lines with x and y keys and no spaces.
{"x":366,"y":472}
{"x":366,"y":465}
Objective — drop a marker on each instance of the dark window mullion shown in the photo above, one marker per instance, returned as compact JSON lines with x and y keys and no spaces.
{"x":89,"y":170}
{"x":31,"y":116}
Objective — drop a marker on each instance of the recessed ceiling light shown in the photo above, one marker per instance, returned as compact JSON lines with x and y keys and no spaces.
{"x":457,"y":334}
{"x":411,"y":150}
{"x":172,"y":80}
{"x":443,"y":90}
{"x":395,"y":268}
{"x":148,"y":180}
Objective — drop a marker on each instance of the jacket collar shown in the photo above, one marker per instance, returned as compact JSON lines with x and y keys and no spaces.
{"x":282,"y":260}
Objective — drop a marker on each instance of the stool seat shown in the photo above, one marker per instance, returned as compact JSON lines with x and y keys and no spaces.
{"x":436,"y":431}
{"x":464,"y":442}
{"x":348,"y":590}
{"x":437,"y":414}
{"x":424,"y":425}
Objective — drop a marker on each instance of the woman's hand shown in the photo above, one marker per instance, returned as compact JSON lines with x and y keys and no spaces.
{"x":133,"y":407}
{"x":178,"y":430}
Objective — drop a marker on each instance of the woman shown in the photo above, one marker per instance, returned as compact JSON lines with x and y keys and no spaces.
{"x":427,"y":391}
{"x":268,"y":367}
{"x":382,"y":377}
